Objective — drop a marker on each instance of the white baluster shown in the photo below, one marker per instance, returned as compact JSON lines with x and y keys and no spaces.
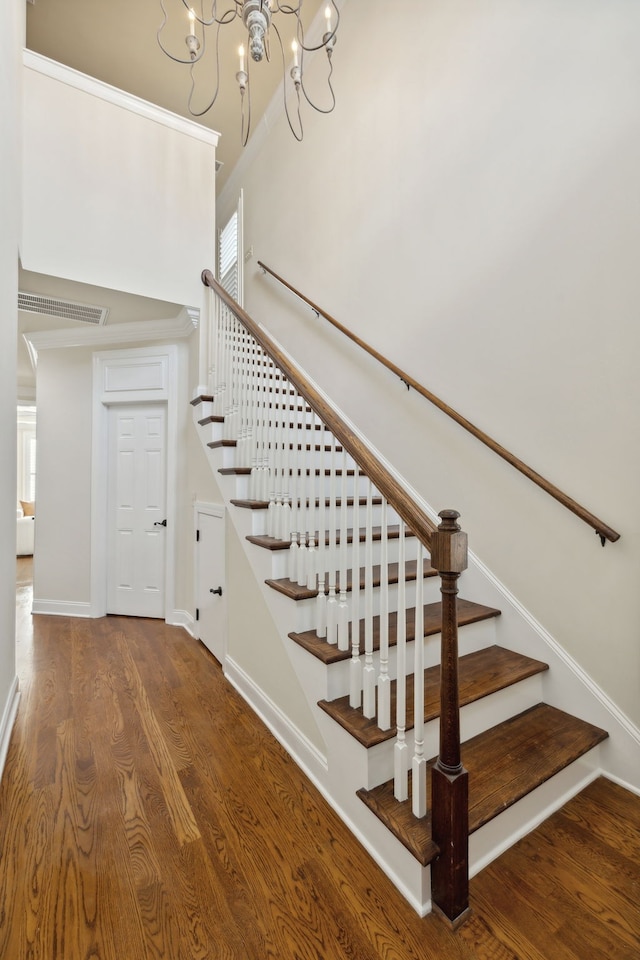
{"x":321,"y":602}
{"x":332,"y":603}
{"x":355,"y":664}
{"x":286,"y":517}
{"x":419,"y":765}
{"x":384,"y":681}
{"x":343,"y":607}
{"x":369,"y":673}
{"x":401,"y":751}
{"x":312,"y":554}
{"x":303,"y":524}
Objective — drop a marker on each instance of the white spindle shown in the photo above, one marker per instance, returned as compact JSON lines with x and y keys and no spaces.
{"x":343,"y":607}
{"x":332,"y":560}
{"x":384,"y":681}
{"x":355,"y":664}
{"x":419,"y":765}
{"x":303,"y":525}
{"x":401,"y":751}
{"x":321,"y":602}
{"x":369,"y":673}
{"x":312,"y":555}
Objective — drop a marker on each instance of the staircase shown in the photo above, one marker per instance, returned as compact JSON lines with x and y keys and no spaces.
{"x":355,"y":599}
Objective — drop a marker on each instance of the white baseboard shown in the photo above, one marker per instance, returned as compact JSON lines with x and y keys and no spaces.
{"x":7,"y":721}
{"x":182,"y":618}
{"x":62,"y":608}
{"x":297,"y":745}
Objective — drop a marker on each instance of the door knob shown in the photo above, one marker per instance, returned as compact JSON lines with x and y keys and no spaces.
{"x":218,"y":591}
{"x":160,"y":523}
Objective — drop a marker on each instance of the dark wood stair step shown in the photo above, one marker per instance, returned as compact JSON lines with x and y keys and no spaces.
{"x":203,"y":398}
{"x":505,"y":763}
{"x":468,"y":612}
{"x":272,"y":543}
{"x":295,"y":592}
{"x":214,"y":418}
{"x":215,"y":444}
{"x":263,"y":504}
{"x":481,"y":674}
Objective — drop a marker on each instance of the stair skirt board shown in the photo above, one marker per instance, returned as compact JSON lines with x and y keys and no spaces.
{"x":345,"y":767}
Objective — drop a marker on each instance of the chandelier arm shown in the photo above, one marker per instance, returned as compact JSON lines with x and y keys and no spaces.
{"x":244,"y":133}
{"x":298,"y":135}
{"x":200,"y":113}
{"x":328,"y":40}
{"x":227,"y":17}
{"x":167,"y":53}
{"x":318,"y":109}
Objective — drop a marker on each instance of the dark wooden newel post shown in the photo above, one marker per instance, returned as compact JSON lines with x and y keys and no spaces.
{"x":450,"y":788}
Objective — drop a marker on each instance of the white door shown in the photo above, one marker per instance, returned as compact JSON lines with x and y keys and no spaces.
{"x":211,"y":622}
{"x":136,"y":512}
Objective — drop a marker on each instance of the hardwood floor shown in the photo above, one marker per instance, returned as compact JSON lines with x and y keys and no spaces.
{"x":145,"y":812}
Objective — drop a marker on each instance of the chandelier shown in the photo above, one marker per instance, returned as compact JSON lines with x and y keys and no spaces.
{"x":262,"y":22}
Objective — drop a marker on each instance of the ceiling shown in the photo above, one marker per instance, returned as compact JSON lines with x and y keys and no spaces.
{"x":116,"y":42}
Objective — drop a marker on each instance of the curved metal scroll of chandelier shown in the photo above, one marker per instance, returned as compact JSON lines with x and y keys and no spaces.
{"x":260,"y":20}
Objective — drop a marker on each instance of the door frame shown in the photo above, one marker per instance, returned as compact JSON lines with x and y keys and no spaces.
{"x":134,"y":375}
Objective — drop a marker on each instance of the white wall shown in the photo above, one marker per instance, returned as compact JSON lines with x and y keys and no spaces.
{"x":117,"y":193}
{"x":11,"y":34}
{"x":471,"y":209}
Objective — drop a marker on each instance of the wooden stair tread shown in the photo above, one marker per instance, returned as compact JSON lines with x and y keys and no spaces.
{"x":505,"y":763}
{"x":468,"y":612}
{"x":272,"y":543}
{"x":214,"y":418}
{"x":294,"y":591}
{"x":203,"y":398}
{"x":235,"y":471}
{"x":215,"y":444}
{"x":481,"y":674}
{"x":264,"y":504}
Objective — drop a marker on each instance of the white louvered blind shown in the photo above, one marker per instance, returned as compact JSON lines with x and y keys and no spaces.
{"x":230,"y":262}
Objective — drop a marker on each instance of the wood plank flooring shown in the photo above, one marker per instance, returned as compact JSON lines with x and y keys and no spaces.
{"x":145,"y":812}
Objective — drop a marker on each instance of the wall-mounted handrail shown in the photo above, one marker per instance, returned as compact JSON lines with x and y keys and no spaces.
{"x":604,"y":531}
{"x":387,"y":485}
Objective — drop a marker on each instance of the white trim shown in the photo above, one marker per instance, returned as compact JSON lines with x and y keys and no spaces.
{"x":304,"y":752}
{"x":135,"y":332}
{"x":182,"y":618}
{"x":119,"y":98}
{"x":313,"y":764}
{"x":592,"y":687}
{"x":63,"y":608}
{"x":8,"y":719}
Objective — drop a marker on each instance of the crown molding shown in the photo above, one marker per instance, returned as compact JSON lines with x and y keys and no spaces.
{"x":138,"y":331}
{"x":127,"y":101}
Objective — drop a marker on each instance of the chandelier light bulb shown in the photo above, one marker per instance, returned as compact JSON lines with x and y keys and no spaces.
{"x":327,"y":14}
{"x":192,"y":23}
{"x":241,"y":55}
{"x":294,"y":47}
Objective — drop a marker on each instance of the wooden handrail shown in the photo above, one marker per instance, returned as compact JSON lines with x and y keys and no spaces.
{"x":604,"y":531}
{"x":417,"y":521}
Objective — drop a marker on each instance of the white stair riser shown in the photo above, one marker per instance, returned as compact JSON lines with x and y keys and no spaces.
{"x":303,"y":612}
{"x":281,"y":561}
{"x":472,"y":637}
{"x":475,"y":718}
{"x":516,"y":821}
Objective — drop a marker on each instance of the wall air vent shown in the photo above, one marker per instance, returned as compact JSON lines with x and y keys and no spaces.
{"x":62,"y":309}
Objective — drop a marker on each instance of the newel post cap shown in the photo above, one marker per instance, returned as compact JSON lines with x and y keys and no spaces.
{"x":449,"y":544}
